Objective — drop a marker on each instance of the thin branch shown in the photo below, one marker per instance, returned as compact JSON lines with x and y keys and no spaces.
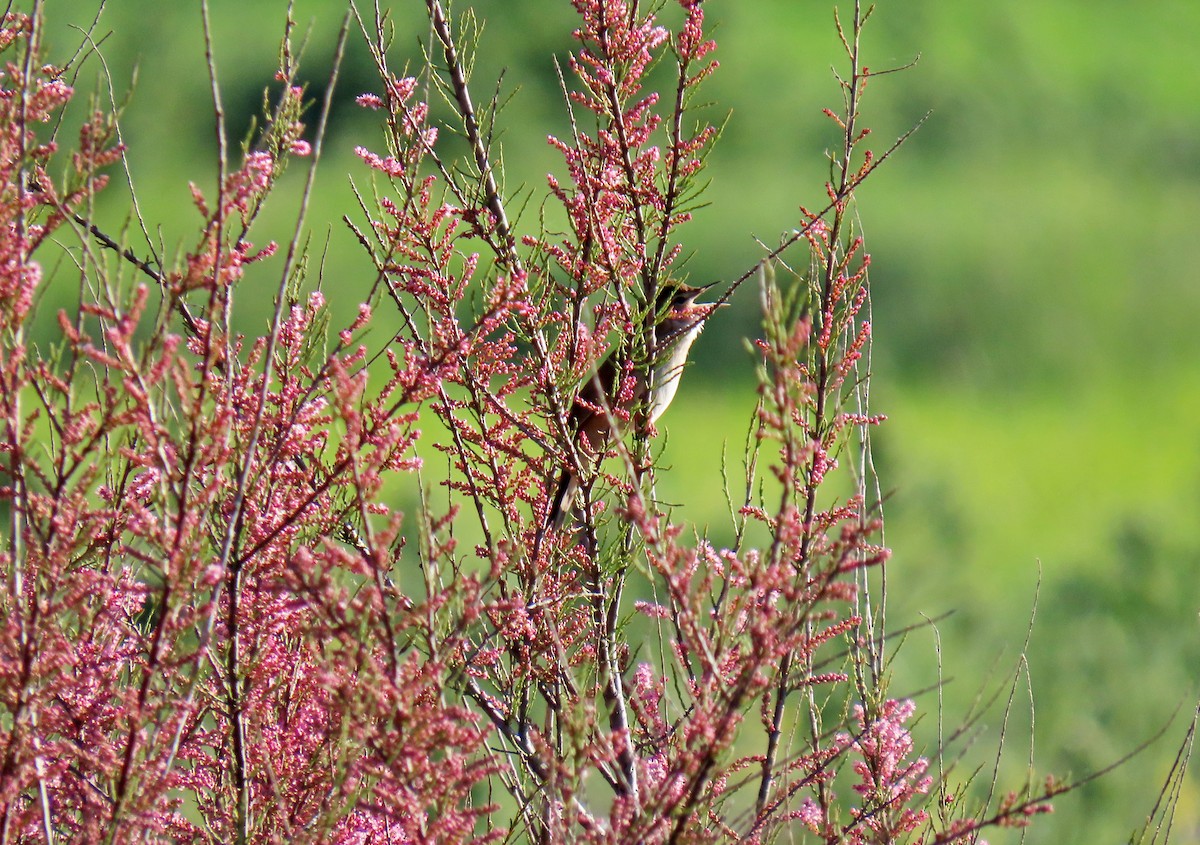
{"x":462,"y":93}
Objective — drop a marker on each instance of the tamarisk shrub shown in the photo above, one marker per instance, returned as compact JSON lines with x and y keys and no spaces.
{"x":214,"y":626}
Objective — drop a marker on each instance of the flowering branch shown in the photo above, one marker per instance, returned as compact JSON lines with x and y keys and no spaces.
{"x":218,"y":627}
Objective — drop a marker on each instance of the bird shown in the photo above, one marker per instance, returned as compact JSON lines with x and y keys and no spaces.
{"x":679,"y":321}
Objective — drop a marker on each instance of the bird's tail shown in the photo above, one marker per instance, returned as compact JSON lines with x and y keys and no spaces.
{"x":564,"y":500}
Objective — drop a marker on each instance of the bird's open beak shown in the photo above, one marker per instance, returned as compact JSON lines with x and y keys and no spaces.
{"x":708,"y":287}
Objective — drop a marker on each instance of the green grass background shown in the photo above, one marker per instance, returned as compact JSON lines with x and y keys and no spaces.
{"x":1035,"y":298}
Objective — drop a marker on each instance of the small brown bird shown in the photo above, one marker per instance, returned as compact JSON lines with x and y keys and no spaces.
{"x":680,"y":320}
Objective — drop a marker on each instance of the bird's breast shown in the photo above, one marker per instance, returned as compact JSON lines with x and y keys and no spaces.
{"x":665,"y":382}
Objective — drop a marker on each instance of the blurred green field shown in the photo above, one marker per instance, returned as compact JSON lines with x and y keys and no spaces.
{"x":1034,"y":290}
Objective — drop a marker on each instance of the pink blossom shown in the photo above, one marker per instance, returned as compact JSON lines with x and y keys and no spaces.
{"x":386,"y":164}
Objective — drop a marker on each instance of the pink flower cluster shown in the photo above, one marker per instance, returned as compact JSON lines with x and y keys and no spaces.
{"x":219,"y":624}
{"x":889,"y":779}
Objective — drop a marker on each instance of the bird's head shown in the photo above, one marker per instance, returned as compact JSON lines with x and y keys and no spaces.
{"x":678,"y":311}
